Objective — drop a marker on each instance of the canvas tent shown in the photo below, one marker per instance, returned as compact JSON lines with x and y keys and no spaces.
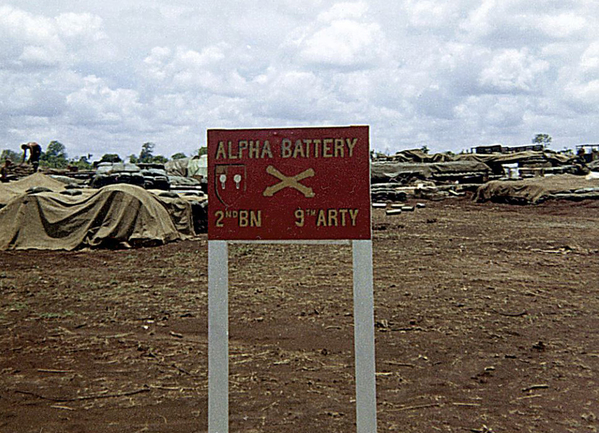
{"x":112,"y":215}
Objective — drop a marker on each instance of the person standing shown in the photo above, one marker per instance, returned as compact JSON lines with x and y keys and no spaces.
{"x":35,"y":151}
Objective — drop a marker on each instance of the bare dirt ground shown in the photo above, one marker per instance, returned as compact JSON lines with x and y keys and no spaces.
{"x":487,"y":320}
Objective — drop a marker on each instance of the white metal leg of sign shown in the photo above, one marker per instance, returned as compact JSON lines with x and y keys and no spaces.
{"x":364,"y":336}
{"x":218,"y":337}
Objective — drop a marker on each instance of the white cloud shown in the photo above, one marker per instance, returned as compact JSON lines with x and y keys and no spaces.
{"x":95,"y":103}
{"x":343,"y":37}
{"x":183,"y":69}
{"x":36,"y":41}
{"x":513,"y":71}
{"x":31,"y":40}
{"x":562,"y":25}
{"x":430,"y":14}
{"x":492,"y":113}
{"x":580,"y":81}
{"x":342,"y":11}
{"x":85,"y":26}
{"x":585,"y":92}
{"x":589,"y":63}
{"x":343,"y":43}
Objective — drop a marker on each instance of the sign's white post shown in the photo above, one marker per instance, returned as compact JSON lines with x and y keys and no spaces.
{"x":218,"y":337}
{"x":364,"y":336}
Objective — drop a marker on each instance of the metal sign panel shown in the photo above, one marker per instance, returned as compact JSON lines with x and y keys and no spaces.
{"x":289,"y":184}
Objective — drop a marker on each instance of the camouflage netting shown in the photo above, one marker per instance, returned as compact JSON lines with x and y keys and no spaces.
{"x":538,"y":189}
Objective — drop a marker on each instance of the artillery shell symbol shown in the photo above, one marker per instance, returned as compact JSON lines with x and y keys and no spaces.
{"x":289,"y":182}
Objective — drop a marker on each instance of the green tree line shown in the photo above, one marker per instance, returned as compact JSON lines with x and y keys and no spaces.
{"x":55,"y":156}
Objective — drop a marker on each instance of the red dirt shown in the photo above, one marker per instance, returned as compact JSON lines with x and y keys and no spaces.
{"x":486,"y":321}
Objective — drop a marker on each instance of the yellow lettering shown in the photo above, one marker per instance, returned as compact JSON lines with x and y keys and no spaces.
{"x":254,"y":149}
{"x":285,"y":148}
{"x":266,"y":152}
{"x":220,"y":151}
{"x":299,"y":149}
{"x":256,"y":218}
{"x":326,"y":147}
{"x":307,"y":142}
{"x":333,"y":218}
{"x":219,"y":214}
{"x":321,"y":219}
{"x":316,"y":142}
{"x":351,"y":143}
{"x":300,"y":218}
{"x":230,"y":149}
{"x":250,"y":218}
{"x":343,"y":213}
{"x":353,"y":214}
{"x":243,"y":218}
{"x":243,"y":145}
{"x":339,"y":149}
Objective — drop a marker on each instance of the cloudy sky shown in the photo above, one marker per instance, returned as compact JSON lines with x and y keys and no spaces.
{"x":107,"y":76}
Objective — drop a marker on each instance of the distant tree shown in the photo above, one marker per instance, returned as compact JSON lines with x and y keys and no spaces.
{"x":82,"y":163}
{"x":10,"y":154}
{"x":544,"y":139}
{"x":179,"y":155}
{"x":203,"y":151}
{"x":425,"y":149}
{"x":159,"y":159}
{"x":147,"y":155}
{"x":147,"y":150}
{"x":111,"y":157}
{"x":55,"y":156}
{"x":133,"y":159}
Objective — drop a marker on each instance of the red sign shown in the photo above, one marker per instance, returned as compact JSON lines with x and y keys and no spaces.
{"x":289,"y":184}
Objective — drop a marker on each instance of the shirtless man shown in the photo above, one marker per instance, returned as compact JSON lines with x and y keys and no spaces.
{"x":35,"y":151}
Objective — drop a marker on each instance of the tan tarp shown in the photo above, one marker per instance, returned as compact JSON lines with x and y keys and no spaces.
{"x":110,"y":216}
{"x":534,"y":190}
{"x":179,"y":210}
{"x":417,"y":155}
{"x":10,"y":190}
{"x":518,"y":157}
{"x":193,"y":166}
{"x":177,"y":167}
{"x":383,"y":172}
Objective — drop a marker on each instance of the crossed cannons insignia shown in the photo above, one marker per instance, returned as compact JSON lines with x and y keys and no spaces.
{"x":289,"y":182}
